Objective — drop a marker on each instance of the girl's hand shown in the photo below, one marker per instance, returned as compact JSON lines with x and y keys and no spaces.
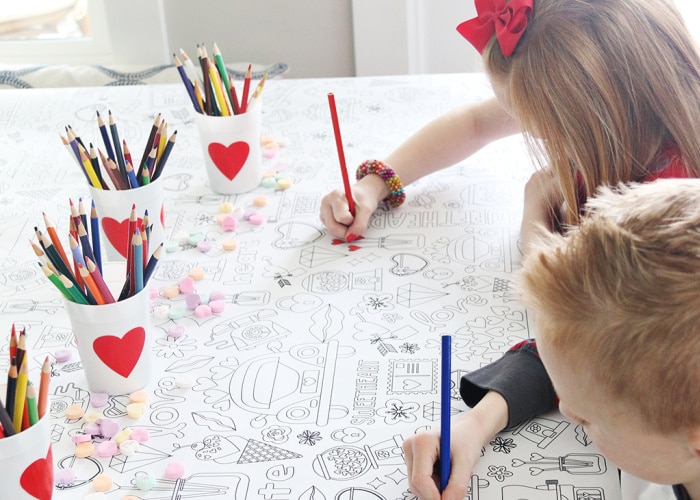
{"x":543,"y":199}
{"x":336,"y":216}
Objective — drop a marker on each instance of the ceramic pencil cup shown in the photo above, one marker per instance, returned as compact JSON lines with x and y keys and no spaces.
{"x":231,"y":149}
{"x":114,"y":343}
{"x":114,"y":208}
{"x":27,"y":463}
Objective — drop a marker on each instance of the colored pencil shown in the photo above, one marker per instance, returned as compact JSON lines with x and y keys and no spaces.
{"x":53,"y":235}
{"x":91,"y":285}
{"x":149,"y":141}
{"x":20,"y":395}
{"x":246,"y":88}
{"x":105,"y":137}
{"x":341,"y":154}
{"x":206,"y":83}
{"x":43,"y":402}
{"x":190,"y":67}
{"x":152,"y":262}
{"x":164,"y":157}
{"x":219,"y":61}
{"x":21,"y":351}
{"x":117,"y":144}
{"x":13,"y":342}
{"x":99,"y":281}
{"x":445,"y":410}
{"x":11,"y":389}
{"x":137,"y":244}
{"x":75,"y":294}
{"x":95,"y":233}
{"x":32,"y":404}
{"x":6,"y":421}
{"x":255,"y":99}
{"x":188,"y":83}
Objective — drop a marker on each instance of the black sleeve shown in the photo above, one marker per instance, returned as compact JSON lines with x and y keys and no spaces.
{"x":519,"y":376}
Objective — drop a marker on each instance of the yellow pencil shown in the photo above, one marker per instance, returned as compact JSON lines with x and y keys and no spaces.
{"x":20,"y":395}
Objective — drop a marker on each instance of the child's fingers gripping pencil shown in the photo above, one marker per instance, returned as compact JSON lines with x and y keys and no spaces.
{"x":445,"y":410}
{"x":341,"y":154}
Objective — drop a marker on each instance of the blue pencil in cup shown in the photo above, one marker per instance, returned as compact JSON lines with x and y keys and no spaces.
{"x":445,"y":410}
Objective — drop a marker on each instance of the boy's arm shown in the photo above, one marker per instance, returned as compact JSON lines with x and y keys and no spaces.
{"x":520,"y":377}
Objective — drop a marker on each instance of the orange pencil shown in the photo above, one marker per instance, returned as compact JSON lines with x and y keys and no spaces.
{"x":43,"y":402}
{"x":51,"y":230}
{"x":90,"y":283}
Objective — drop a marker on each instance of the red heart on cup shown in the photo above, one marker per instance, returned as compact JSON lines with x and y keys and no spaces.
{"x":37,"y":479}
{"x":118,"y":233}
{"x":229,"y":159}
{"x":121,"y":354}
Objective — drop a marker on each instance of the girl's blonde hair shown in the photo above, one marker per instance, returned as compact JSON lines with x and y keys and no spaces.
{"x":601,"y":87}
{"x":618,"y":298}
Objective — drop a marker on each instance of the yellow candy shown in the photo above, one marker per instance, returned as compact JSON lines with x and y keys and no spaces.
{"x":284,"y":183}
{"x":136,"y":410}
{"x":123,"y":435}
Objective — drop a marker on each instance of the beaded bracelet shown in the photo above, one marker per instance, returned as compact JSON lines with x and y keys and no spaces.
{"x":392,"y":181}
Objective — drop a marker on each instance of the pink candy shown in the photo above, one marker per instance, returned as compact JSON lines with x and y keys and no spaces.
{"x":176,"y":331}
{"x":217,"y":306}
{"x":174,"y":470}
{"x":202,"y":311}
{"x":98,"y":399}
{"x":186,"y":285}
{"x":139,"y":435}
{"x":106,"y":449}
{"x":229,"y":223}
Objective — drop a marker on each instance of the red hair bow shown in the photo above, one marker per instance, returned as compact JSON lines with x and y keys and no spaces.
{"x":507,"y":20}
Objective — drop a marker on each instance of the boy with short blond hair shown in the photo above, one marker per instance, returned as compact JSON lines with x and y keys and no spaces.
{"x":616,"y":303}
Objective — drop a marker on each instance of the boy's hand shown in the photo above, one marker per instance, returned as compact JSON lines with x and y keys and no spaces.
{"x":470,"y":431}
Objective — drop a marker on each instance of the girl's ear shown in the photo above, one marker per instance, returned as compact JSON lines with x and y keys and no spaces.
{"x":694,"y":440}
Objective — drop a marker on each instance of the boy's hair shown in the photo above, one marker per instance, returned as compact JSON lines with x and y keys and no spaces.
{"x":601,"y":86}
{"x":619,"y":297}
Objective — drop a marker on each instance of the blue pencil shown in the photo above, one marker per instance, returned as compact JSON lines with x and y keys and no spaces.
{"x":95,"y":232}
{"x":136,"y":241}
{"x":445,"y":401}
{"x":105,"y":137}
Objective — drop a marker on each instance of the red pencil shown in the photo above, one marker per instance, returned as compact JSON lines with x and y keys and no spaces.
{"x":341,"y":154}
{"x":13,"y":343}
{"x":246,"y":88}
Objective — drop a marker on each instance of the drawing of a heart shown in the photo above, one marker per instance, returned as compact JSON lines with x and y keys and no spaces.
{"x":229,"y":159}
{"x":37,"y":479}
{"x":118,"y":233}
{"x":121,"y":353}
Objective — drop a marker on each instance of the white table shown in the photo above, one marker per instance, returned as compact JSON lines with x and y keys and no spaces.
{"x":326,"y":355}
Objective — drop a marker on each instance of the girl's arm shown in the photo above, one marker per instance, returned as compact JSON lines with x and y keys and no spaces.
{"x":441,"y":143}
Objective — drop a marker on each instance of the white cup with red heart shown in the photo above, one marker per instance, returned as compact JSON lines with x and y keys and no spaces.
{"x":114,"y":209}
{"x":27,"y":463}
{"x":231,"y":149}
{"x":114,"y":343}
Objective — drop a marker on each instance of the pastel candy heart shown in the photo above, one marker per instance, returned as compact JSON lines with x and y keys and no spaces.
{"x":229,"y":159}
{"x":121,"y":353}
{"x":37,"y":479}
